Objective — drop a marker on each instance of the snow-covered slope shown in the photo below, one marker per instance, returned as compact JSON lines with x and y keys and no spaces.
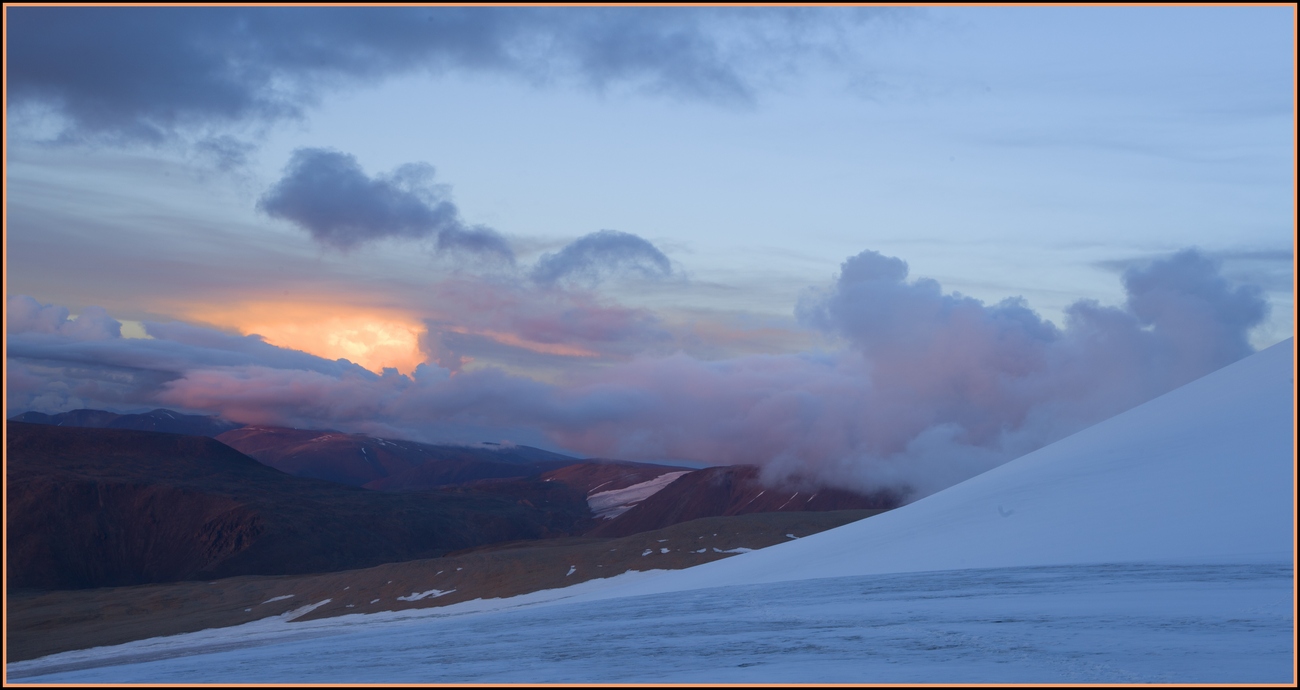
{"x":1202,"y":474}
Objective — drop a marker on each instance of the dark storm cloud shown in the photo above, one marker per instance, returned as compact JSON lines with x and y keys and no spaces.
{"x":142,"y":74}
{"x":592,"y":257}
{"x":326,"y":193}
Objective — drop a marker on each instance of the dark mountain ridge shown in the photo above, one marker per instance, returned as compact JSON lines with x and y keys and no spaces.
{"x":386,"y":464}
{"x":160,"y":420}
{"x":101,"y":507}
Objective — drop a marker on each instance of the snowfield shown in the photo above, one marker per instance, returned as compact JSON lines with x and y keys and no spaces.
{"x":608,"y":505}
{"x":1157,"y":546}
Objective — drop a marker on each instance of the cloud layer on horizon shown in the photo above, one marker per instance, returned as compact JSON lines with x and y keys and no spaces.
{"x":929,"y":389}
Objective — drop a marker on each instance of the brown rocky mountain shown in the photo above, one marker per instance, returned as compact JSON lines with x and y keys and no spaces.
{"x":386,"y":464}
{"x":102,"y":507}
{"x":91,"y":507}
{"x":730,"y":490}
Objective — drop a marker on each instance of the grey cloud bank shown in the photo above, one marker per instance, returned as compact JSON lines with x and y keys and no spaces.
{"x":146,"y":74}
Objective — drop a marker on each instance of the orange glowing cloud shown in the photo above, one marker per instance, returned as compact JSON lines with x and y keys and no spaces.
{"x":373,"y":338}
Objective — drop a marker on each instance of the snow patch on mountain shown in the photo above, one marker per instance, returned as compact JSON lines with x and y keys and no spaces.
{"x":608,"y":505}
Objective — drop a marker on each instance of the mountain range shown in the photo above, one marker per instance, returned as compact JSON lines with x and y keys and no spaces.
{"x":94,"y":502}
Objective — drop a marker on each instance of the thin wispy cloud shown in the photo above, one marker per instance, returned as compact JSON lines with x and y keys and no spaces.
{"x":591,"y":258}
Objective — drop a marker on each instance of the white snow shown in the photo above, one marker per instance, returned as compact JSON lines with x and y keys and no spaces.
{"x":1155,"y":547}
{"x":282,"y":597}
{"x":416,"y":596}
{"x":1071,"y":624}
{"x":572,"y":569}
{"x":611,"y":504}
{"x":303,"y":610}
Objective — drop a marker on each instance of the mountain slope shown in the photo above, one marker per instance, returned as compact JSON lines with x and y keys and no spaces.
{"x":384,"y":464}
{"x":100,"y":507}
{"x":728,"y":490}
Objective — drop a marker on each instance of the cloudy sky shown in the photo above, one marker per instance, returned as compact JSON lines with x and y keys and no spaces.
{"x":864,"y":245}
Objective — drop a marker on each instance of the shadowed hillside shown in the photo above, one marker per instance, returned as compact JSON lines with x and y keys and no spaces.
{"x":385,"y":464}
{"x":99,"y":507}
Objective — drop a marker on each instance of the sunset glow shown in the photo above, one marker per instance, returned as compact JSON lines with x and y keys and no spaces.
{"x":374,"y":339}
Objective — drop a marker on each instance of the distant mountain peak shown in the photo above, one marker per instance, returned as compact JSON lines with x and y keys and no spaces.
{"x":160,"y":419}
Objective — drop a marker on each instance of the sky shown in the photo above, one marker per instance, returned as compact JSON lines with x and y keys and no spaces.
{"x":861,"y":246}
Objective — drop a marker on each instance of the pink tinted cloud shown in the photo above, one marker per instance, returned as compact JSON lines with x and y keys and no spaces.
{"x":478,"y":318}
